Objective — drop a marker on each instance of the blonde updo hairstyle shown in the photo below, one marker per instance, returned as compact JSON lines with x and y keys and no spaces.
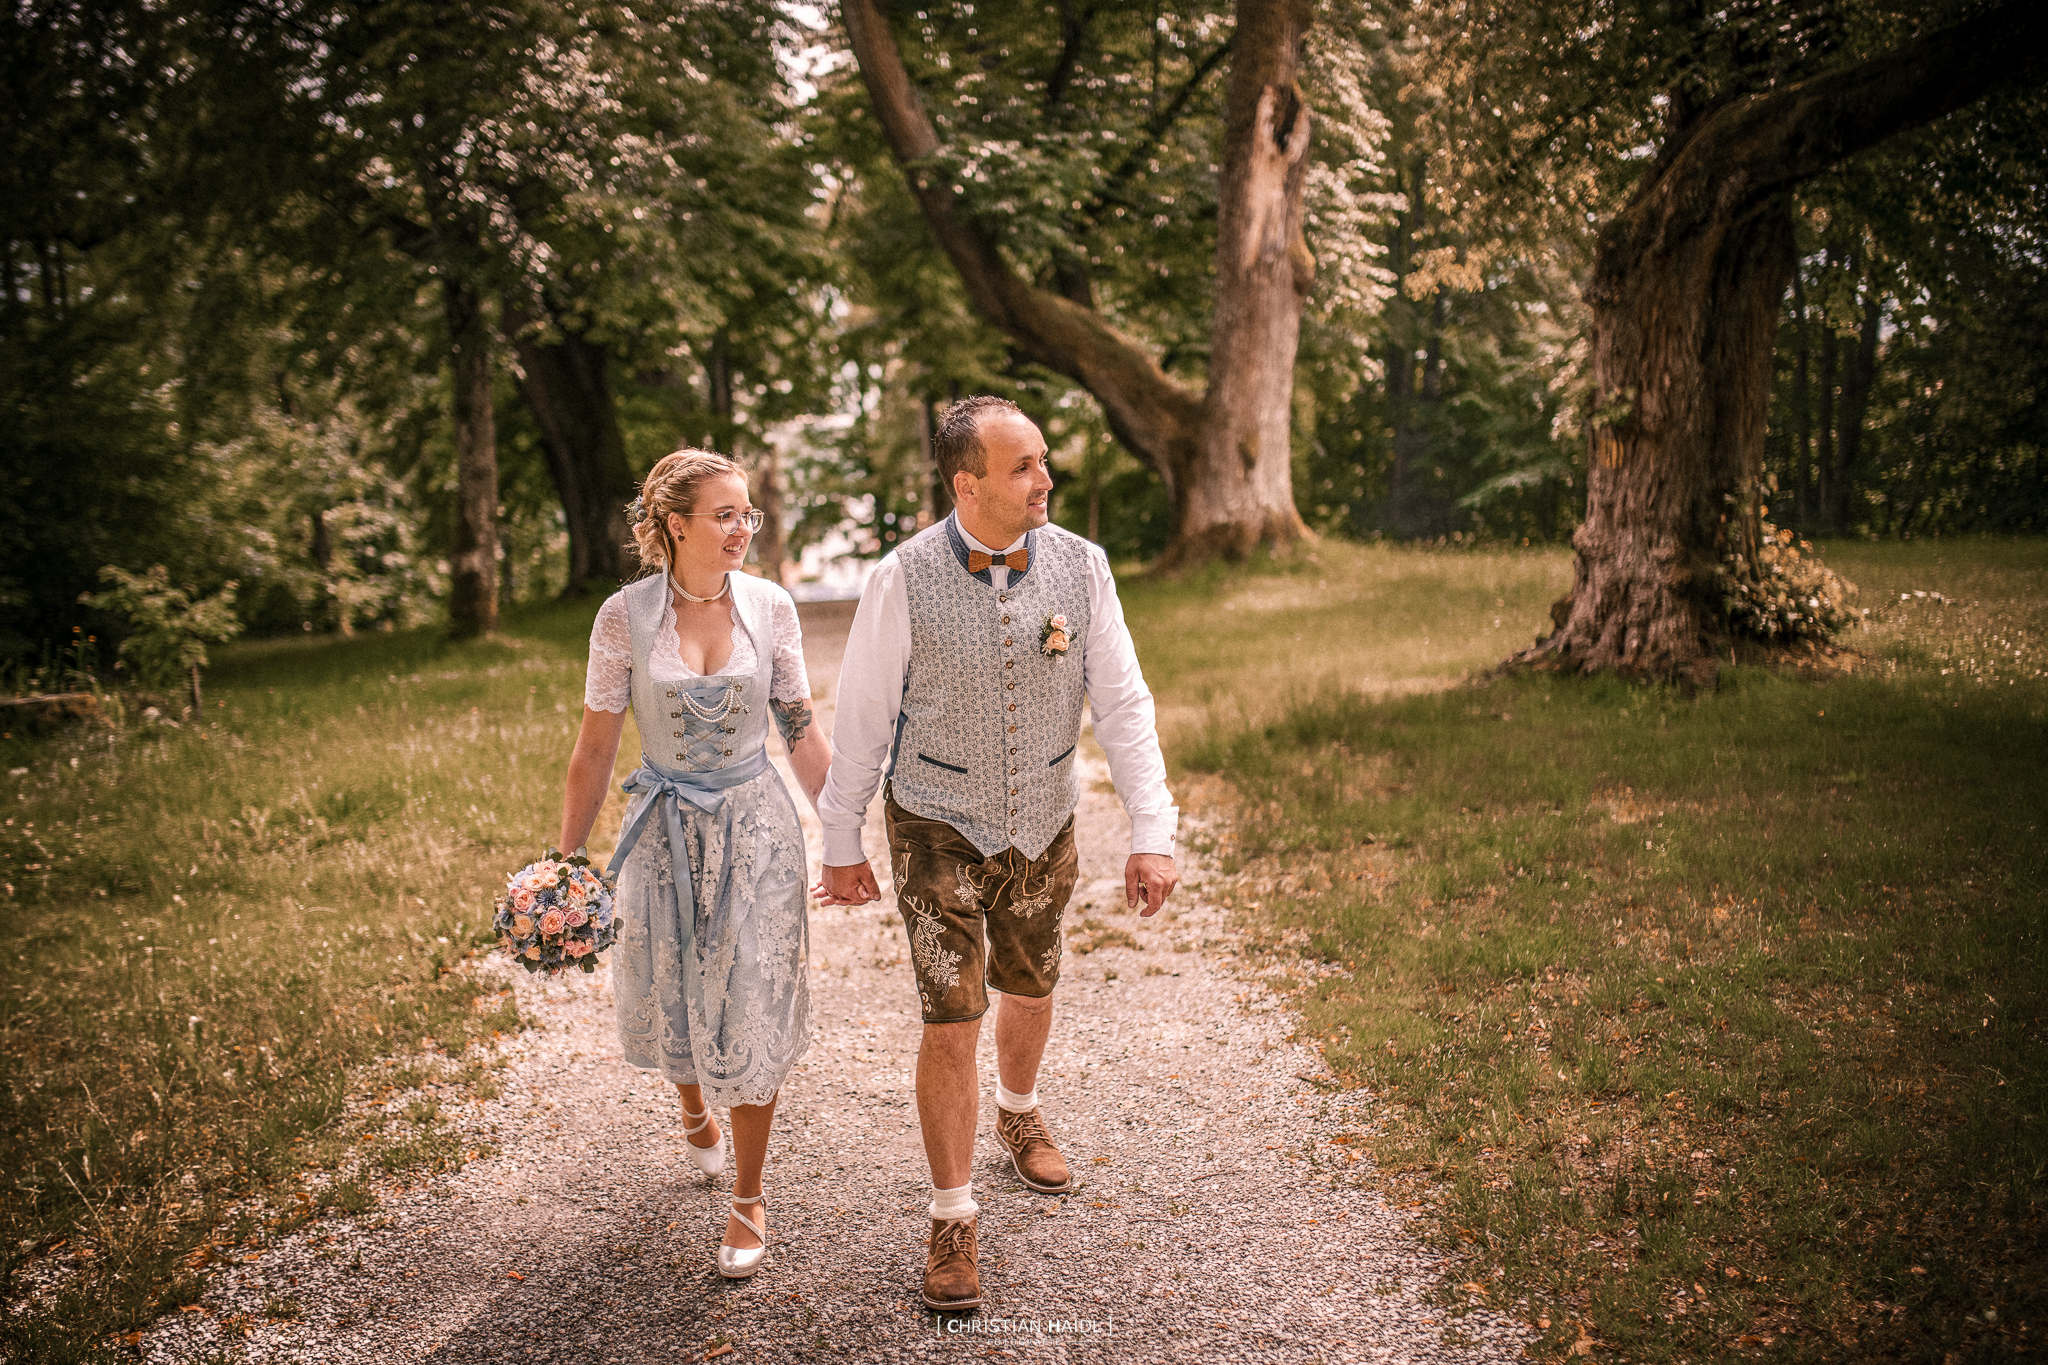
{"x":671,"y":486}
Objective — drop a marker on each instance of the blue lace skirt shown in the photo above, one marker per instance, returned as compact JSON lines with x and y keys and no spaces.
{"x":746,"y":1018}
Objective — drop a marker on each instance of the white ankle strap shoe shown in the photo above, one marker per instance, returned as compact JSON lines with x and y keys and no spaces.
{"x":739,"y":1263}
{"x":710,"y":1160}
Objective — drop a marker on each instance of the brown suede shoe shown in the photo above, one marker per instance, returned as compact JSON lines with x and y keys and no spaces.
{"x":952,"y":1280}
{"x":1038,"y":1163}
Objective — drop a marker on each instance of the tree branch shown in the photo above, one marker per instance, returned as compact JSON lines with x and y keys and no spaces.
{"x":1155,"y":129}
{"x":1754,"y":148}
{"x":1154,"y":415}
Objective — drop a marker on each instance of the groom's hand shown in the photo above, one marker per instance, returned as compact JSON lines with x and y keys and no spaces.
{"x":853,"y":884}
{"x":1148,"y":878}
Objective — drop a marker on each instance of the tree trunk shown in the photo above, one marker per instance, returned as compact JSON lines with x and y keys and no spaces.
{"x":770,"y":546}
{"x":1224,"y":457}
{"x":1684,"y":296}
{"x":1682,"y":347}
{"x":1824,"y":463}
{"x":938,"y":495}
{"x":1857,"y":379}
{"x":1238,"y":494}
{"x":567,"y":387}
{"x":1802,"y":408}
{"x":473,"y":587}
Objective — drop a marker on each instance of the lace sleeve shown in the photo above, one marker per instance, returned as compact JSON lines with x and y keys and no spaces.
{"x":608,"y":683}
{"x":791,"y":682}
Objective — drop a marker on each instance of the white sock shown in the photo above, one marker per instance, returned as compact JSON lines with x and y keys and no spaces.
{"x":1015,"y":1103}
{"x":951,"y":1205}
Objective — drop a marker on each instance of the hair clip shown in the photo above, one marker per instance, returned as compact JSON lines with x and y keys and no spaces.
{"x":636,"y":511}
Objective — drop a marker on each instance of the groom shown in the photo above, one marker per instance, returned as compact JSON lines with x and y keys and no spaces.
{"x":971,"y":652}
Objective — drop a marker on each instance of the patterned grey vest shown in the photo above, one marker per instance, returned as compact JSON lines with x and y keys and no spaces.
{"x":702,"y":724}
{"x":986,"y":739}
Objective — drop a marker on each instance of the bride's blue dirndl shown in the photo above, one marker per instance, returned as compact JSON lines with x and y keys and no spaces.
{"x":711,"y":968}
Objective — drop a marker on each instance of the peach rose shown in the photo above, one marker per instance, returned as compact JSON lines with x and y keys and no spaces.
{"x":551,"y":923}
{"x":577,"y":919}
{"x":522,"y":925}
{"x":532,"y":954}
{"x":1056,"y":642}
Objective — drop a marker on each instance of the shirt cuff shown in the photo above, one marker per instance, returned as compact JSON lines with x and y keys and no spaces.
{"x":1154,"y":833}
{"x":843,"y":847}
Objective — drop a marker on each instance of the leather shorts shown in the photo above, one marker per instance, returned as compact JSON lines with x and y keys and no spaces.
{"x":977,"y":923}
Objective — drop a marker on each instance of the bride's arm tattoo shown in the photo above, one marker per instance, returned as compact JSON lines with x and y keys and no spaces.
{"x":794,"y":717}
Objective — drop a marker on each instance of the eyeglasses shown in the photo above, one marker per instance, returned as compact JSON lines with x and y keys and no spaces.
{"x":729,"y":520}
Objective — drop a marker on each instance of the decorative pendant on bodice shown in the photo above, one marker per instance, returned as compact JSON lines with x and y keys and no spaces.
{"x":725,"y":706}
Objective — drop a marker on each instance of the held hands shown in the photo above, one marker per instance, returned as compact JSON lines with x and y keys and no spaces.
{"x":1149,"y":878}
{"x":853,"y":884}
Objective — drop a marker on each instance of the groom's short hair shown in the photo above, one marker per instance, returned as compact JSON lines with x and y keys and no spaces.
{"x":956,"y":445}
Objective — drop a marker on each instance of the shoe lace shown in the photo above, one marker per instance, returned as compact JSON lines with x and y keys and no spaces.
{"x":951,"y":1239}
{"x":1028,"y":1127}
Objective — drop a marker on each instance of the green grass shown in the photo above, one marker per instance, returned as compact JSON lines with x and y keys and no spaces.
{"x":1713,"y":1024}
{"x":210,"y":930}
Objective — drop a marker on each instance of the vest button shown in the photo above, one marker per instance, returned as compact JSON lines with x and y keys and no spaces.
{"x":728,"y":752}
{"x":679,"y":734}
{"x":679,"y":758}
{"x":671,"y":694}
{"x":1010,"y":686}
{"x":1006,"y":621}
{"x":1013,"y":748}
{"x":1013,"y":790}
{"x":675,"y":715}
{"x":1013,"y":706}
{"x":1002,"y":597}
{"x":1013,"y":730}
{"x":1013,"y":771}
{"x":1009,"y":663}
{"x":1008,"y":643}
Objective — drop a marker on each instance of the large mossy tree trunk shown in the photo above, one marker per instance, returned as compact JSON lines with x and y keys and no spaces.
{"x":1684,"y":296}
{"x":1223,"y":454}
{"x":473,"y":558}
{"x":566,"y":381}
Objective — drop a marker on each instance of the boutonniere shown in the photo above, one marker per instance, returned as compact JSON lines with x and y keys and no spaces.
{"x":1052,"y":636}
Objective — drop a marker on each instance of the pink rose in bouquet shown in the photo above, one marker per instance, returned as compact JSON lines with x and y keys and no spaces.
{"x":556,"y":913}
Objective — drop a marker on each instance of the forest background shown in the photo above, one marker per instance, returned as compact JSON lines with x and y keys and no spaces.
{"x":271,"y":270}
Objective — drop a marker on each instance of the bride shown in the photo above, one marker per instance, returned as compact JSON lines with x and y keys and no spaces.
{"x":710,"y":967}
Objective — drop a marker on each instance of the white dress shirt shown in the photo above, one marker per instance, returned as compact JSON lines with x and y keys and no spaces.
{"x":870,"y":699}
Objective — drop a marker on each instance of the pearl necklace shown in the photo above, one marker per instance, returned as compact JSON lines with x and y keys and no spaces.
{"x":724,"y":587}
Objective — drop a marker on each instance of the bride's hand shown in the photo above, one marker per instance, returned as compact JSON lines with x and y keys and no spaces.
{"x":850,"y":885}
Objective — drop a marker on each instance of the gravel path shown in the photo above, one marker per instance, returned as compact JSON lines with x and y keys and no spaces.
{"x":1211,"y":1214}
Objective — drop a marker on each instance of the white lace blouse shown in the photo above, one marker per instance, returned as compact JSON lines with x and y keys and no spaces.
{"x":608,"y":683}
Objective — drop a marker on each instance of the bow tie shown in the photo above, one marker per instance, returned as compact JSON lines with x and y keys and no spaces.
{"x":1018,"y":559}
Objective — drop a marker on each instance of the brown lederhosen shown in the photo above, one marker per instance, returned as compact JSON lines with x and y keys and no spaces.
{"x":977,"y":923}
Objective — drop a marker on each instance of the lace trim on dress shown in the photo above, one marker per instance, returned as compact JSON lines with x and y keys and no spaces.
{"x":608,"y":683}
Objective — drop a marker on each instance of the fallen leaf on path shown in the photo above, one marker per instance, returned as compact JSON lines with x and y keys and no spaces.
{"x":514,"y":1275}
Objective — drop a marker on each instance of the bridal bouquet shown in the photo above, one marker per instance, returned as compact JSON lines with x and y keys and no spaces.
{"x":556,"y":913}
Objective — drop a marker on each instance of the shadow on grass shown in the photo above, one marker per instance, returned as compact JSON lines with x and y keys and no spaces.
{"x":1716,"y":1024}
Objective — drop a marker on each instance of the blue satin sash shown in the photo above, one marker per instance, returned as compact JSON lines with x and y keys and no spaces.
{"x":706,"y":791}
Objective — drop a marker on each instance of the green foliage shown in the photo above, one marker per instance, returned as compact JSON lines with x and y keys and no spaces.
{"x":1785,"y":596}
{"x":168,"y":628}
